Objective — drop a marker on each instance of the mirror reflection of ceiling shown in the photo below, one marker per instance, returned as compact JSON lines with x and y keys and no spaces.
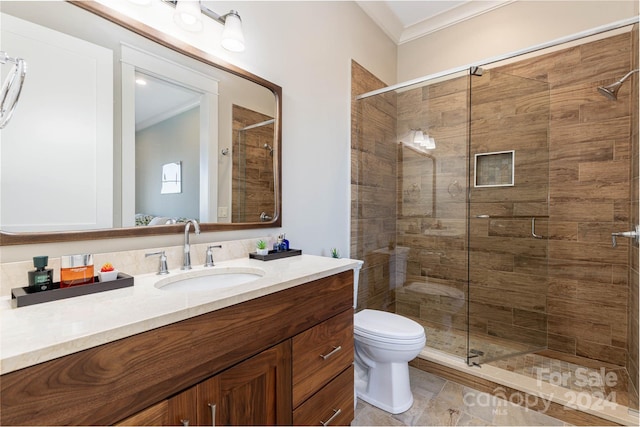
{"x":110,"y":202}
{"x":158,"y":100}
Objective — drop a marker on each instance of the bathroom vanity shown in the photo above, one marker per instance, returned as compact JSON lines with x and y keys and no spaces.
{"x":276,"y":351}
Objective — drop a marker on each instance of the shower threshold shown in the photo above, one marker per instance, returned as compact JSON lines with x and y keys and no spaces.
{"x":577,"y":407}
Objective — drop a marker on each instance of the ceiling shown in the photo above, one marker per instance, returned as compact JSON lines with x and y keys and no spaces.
{"x":404,"y":21}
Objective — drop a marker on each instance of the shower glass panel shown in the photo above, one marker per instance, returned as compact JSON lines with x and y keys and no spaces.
{"x":409,"y":206}
{"x":508,"y":215}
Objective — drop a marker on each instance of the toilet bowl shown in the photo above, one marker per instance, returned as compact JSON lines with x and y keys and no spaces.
{"x":384,"y":344}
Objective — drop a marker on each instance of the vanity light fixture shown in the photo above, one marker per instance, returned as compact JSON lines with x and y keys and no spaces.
{"x":188,"y":15}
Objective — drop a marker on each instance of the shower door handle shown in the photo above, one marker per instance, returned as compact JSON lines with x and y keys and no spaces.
{"x":533,"y":229}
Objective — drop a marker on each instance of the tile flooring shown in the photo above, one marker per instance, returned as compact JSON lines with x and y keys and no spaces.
{"x":439,"y":402}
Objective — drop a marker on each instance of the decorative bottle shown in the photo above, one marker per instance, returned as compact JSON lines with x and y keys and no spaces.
{"x":41,"y":278}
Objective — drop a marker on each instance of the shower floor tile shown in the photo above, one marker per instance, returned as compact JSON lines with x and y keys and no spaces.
{"x":454,"y":341}
{"x":572,"y":372}
{"x":599,"y":379}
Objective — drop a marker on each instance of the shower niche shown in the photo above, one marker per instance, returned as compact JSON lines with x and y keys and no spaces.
{"x":494,"y":169}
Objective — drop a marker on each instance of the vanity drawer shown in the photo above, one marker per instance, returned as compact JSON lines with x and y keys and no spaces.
{"x":335,"y":400}
{"x":320,"y":354}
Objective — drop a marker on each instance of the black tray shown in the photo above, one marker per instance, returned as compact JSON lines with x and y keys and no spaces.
{"x":25,"y":296}
{"x":275,"y":254}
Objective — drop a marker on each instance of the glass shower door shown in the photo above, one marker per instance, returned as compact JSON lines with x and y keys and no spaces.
{"x":508,"y":215}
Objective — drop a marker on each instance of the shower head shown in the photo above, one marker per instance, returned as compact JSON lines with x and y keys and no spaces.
{"x":268,"y":147}
{"x":611,"y":91}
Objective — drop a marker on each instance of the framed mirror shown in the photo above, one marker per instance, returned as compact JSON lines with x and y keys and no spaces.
{"x":107,"y":102}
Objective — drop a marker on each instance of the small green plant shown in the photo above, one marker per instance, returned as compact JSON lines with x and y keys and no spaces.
{"x":335,"y":253}
{"x":261,"y":244}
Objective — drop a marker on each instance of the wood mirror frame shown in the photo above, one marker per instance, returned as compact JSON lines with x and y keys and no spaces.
{"x":25,"y":238}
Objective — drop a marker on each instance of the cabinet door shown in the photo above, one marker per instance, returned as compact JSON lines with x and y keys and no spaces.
{"x":331,"y":406}
{"x":179,"y":410}
{"x":182,"y":408}
{"x":155,"y":415}
{"x":254,"y":392}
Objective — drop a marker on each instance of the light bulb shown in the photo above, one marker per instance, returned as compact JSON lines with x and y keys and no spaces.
{"x":418,"y":137}
{"x":188,"y":15}
{"x":430,"y":144}
{"x":232,"y":37}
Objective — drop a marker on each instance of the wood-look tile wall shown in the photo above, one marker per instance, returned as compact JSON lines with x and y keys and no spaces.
{"x":573,"y":168}
{"x":634,"y":254}
{"x":508,"y":280}
{"x":252,"y":176}
{"x":589,"y":165}
{"x":432,"y":208}
{"x":373,"y":189}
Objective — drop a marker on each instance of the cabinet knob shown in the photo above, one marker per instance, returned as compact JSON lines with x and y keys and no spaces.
{"x":336,"y":412}
{"x":331,"y":353}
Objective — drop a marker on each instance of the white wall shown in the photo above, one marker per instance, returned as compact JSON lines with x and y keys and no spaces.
{"x":513,"y":27}
{"x":305,"y":47}
{"x":313,"y":65}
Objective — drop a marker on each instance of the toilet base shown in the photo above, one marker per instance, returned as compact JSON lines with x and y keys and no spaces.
{"x":386,"y":386}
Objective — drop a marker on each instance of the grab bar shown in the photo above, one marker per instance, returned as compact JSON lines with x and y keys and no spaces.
{"x":533,"y":229}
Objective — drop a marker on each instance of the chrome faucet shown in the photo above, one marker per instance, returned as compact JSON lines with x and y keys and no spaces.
{"x":163,"y":262}
{"x":186,"y":262}
{"x":209,"y":255}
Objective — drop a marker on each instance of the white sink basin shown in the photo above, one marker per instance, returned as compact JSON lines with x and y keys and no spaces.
{"x":209,"y":280}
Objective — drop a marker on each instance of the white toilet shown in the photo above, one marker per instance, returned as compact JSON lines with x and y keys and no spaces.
{"x":384,"y":344}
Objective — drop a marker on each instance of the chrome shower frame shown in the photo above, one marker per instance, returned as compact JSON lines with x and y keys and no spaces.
{"x":479,"y":64}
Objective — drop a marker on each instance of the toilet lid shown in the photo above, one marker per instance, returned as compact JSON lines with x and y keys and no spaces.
{"x":386,"y":325}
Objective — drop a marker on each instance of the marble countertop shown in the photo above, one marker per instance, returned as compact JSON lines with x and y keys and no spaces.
{"x":38,"y":333}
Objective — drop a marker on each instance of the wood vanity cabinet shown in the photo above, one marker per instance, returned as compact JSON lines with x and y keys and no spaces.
{"x":285,"y":358}
{"x":246,"y":394}
{"x":320,"y":355}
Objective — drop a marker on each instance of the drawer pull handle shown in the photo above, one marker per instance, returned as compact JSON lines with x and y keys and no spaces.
{"x":185,"y":423}
{"x":336,"y":412}
{"x":331,"y":353}
{"x":213,"y":414}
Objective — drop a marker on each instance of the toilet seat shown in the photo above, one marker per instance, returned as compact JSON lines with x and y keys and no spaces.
{"x":390,"y":343}
{"x":388,"y":327}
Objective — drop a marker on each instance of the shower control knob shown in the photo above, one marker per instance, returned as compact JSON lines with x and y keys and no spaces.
{"x":634,"y":234}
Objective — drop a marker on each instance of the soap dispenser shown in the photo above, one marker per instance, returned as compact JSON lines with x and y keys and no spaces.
{"x":285,"y":243}
{"x":41,"y":278}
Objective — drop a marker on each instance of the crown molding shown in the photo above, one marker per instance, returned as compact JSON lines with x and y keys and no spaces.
{"x":384,"y":17}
